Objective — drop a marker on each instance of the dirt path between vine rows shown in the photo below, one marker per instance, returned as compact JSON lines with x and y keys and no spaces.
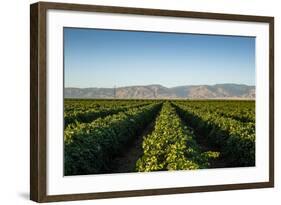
{"x":126,"y":162}
{"x":204,"y":145}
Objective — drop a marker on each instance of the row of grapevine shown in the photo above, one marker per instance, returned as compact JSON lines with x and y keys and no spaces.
{"x":96,"y":112}
{"x":82,"y":105}
{"x":235,"y":138}
{"x":90,"y":147}
{"x":243,"y":111}
{"x":171,"y":146}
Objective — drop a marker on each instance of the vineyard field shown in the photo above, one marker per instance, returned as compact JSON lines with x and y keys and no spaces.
{"x":121,"y":136}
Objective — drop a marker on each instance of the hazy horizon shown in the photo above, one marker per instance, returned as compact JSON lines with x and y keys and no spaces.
{"x":166,"y":86}
{"x":107,"y":58}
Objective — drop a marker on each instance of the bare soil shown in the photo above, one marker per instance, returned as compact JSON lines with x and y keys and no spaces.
{"x":126,"y":161}
{"x":205,"y":146}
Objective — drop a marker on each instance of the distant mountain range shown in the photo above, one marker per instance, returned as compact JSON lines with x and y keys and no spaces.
{"x":218,"y":91}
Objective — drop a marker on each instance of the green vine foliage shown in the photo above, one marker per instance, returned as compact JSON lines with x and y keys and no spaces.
{"x":235,"y":138}
{"x":171,"y":146}
{"x":96,"y":131}
{"x":84,"y":113}
{"x":90,"y":147}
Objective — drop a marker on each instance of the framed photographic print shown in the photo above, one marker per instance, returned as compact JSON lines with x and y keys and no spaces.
{"x":134,"y":102}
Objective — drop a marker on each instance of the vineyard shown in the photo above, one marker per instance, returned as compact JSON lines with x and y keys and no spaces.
{"x":113,"y":136}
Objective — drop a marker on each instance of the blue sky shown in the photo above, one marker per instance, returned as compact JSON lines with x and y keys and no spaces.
{"x":108,"y":58}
